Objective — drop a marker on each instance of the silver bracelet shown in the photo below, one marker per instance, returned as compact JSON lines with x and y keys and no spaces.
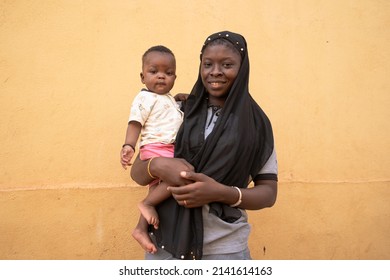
{"x":239,"y":198}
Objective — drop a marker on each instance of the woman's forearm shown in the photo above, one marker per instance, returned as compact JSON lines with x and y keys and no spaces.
{"x":262,"y":195}
{"x":166,"y":169}
{"x":205,"y":190}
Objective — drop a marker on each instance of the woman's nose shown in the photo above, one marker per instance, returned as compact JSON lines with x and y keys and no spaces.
{"x":216,"y":71}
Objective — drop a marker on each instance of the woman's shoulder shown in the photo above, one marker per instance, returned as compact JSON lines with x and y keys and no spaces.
{"x":271,"y":166}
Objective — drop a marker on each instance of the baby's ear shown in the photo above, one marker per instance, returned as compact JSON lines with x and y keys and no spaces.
{"x":142,"y":77}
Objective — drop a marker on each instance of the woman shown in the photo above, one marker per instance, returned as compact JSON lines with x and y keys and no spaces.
{"x":224,"y":143}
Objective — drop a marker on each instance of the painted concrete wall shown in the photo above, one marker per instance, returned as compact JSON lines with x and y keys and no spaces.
{"x":68,"y":72}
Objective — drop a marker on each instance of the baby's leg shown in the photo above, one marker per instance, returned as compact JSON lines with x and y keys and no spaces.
{"x":155,"y":196}
{"x":140,"y":233}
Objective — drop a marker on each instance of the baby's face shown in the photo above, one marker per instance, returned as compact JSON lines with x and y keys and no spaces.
{"x":159,"y":72}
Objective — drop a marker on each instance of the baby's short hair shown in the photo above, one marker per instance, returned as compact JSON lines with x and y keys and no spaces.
{"x":158,"y":48}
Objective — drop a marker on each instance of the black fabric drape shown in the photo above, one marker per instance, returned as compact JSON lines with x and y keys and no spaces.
{"x":237,"y":148}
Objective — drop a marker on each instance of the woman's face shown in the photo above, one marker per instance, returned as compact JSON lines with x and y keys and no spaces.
{"x":219,"y":69}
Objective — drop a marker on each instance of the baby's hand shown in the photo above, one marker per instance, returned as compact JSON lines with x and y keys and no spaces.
{"x":126,"y":155}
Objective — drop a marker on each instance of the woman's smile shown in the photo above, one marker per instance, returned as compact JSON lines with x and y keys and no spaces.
{"x":217,"y":84}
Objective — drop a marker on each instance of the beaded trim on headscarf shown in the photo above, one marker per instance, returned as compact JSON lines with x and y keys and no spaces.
{"x":235,"y":39}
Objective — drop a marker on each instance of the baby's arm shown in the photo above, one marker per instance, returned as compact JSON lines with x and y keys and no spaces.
{"x":128,"y":148}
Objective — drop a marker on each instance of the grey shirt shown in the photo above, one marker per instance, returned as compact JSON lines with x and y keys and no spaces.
{"x":219,"y":236}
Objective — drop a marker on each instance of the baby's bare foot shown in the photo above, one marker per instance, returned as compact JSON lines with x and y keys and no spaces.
{"x":149,"y":213}
{"x":144,"y":240}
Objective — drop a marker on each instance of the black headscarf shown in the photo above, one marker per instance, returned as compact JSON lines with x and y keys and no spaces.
{"x":237,"y":148}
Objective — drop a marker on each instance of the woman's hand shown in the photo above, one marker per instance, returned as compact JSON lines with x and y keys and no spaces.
{"x":181,"y":96}
{"x":201,"y":190}
{"x":204,"y":190}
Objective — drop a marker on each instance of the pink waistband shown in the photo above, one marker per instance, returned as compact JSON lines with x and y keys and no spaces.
{"x":156,"y":150}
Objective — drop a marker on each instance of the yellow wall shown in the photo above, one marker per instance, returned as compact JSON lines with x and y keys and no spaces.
{"x":69,"y":69}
